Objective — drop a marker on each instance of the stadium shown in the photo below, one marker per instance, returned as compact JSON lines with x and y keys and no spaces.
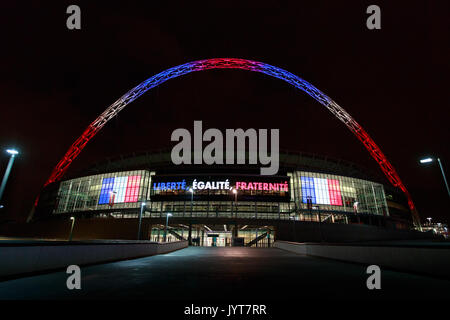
{"x":218,"y":205}
{"x":146,"y":196}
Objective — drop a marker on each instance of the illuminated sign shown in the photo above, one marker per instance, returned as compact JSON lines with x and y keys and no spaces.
{"x":262,"y":186}
{"x":119,"y":190}
{"x":321,"y":191}
{"x":221,"y":185}
{"x":196,"y":185}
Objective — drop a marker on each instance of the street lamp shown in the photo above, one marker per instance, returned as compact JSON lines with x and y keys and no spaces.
{"x":235,"y":202}
{"x":235,"y":229}
{"x":428,"y":160}
{"x":429,"y":220}
{"x":190,"y":220}
{"x":140,"y":220}
{"x":71,"y":228}
{"x":112,"y":197}
{"x":192,"y":198}
{"x":13,"y":154}
{"x":167,"y":223}
{"x":355,"y":207}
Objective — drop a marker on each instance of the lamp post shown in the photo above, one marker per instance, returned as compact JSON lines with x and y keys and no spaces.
{"x":355,"y":209}
{"x":71,"y":228}
{"x":190,"y":220}
{"x":428,"y":160}
{"x":13,"y":154}
{"x":167,"y":223}
{"x":235,"y":229}
{"x":192,"y":198}
{"x":112,"y":197}
{"x":235,"y":203}
{"x":140,"y":220}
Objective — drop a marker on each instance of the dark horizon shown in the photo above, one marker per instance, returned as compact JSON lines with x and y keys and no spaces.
{"x":393,"y":81}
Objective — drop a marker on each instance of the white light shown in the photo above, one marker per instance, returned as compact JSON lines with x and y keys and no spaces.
{"x":234,"y":191}
{"x":72,"y":218}
{"x":143,"y":204}
{"x":426,"y":160}
{"x":12,"y":152}
{"x":169,"y":214}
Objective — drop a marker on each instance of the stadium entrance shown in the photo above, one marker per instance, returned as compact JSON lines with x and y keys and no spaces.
{"x":218,"y":239}
{"x":226,"y":235}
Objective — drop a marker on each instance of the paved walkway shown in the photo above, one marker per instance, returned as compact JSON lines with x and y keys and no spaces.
{"x":254,"y":274}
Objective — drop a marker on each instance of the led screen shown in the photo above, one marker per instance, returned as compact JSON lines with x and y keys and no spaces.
{"x":321,"y":191}
{"x":119,"y":190}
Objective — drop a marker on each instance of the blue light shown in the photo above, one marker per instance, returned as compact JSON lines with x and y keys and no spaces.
{"x":105,"y":192}
{"x":308,"y":190}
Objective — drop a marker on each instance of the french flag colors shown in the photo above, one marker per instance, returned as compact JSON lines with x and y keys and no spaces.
{"x":321,"y":191}
{"x":119,"y":189}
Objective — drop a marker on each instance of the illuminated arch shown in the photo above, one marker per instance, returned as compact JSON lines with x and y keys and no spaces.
{"x":231,"y":63}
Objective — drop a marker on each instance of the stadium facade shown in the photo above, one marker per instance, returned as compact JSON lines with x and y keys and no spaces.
{"x":221,"y":205}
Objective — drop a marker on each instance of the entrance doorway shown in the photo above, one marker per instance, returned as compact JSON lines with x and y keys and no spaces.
{"x":216,"y":235}
{"x":218,"y":239}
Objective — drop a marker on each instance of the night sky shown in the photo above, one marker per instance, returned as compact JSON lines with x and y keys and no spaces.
{"x":393,"y":81}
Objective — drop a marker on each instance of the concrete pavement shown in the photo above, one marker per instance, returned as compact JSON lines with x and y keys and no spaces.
{"x":245,"y":274}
